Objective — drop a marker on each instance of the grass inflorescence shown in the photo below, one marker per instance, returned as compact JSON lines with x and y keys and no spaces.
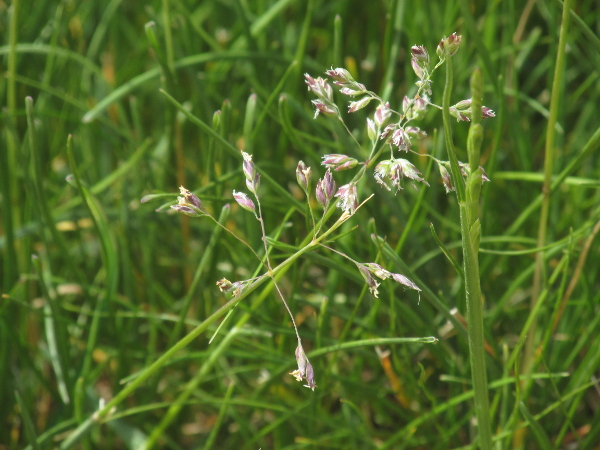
{"x":453,"y":315}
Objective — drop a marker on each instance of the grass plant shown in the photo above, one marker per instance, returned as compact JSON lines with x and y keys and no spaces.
{"x":113,"y":332}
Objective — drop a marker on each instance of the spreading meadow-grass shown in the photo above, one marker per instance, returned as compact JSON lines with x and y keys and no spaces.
{"x":456,"y":314}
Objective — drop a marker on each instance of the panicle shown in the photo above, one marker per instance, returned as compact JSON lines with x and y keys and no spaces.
{"x":367,"y":270}
{"x":463,"y":111}
{"x":305,"y":369}
{"x":322,"y":89}
{"x":303,"y":174}
{"x":348,"y":85}
{"x":189,"y":204}
{"x":382,"y":114}
{"x":371,"y":129}
{"x":252,"y":176}
{"x":244,"y":201}
{"x":339,"y":162}
{"x":420,"y":61}
{"x":371,"y":282}
{"x":234,"y":289}
{"x":414,"y":109}
{"x":348,"y":198}
{"x":448,"y":46}
{"x":393,"y":171}
{"x":446,"y":178}
{"x":360,"y":104}
{"x":325,"y":189}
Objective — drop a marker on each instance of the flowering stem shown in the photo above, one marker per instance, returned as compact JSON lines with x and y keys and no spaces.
{"x":312,"y":214}
{"x":468,"y":198}
{"x":343,"y":255}
{"x":349,"y":132}
{"x":264,"y":239}
{"x":236,"y":236}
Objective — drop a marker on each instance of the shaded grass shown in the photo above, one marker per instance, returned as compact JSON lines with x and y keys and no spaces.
{"x":108,"y":293}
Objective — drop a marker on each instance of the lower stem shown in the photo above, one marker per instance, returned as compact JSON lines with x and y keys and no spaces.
{"x":471,"y":274}
{"x":475,"y":333}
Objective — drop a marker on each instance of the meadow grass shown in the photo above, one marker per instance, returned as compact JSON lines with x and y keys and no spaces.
{"x":108,"y":306}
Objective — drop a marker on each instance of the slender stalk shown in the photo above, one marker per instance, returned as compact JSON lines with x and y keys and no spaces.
{"x":264,"y":239}
{"x":468,"y":198}
{"x":529,"y":357}
{"x":204,"y":261}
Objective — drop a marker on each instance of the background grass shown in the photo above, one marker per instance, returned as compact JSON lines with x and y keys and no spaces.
{"x":113,"y":285}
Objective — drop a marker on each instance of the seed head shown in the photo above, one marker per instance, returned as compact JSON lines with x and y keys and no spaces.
{"x":339,"y":162}
{"x":191,"y":198}
{"x":360,"y":104}
{"x":382,"y":114}
{"x":351,"y":92}
{"x":340,"y":75}
{"x":393,"y":171}
{"x":368,"y":276}
{"x":303,"y":175}
{"x":252,"y":176}
{"x":378,"y":271}
{"x":310,"y":376}
{"x":415,"y":132}
{"x":348,"y":198}
{"x":320,"y":193}
{"x":448,"y":46}
{"x":189,"y":204}
{"x":244,"y":201}
{"x":185,"y":210}
{"x":371,"y":129}
{"x":348,"y":85}
{"x":382,"y":172}
{"x":446,"y":178}
{"x":487,"y":112}
{"x":420,"y":61}
{"x":319,"y":87}
{"x":401,"y":140}
{"x":408,"y":170}
{"x":424,"y":88}
{"x":329,"y":185}
{"x":463,"y":111}
{"x":399,"y":278}
{"x":369,"y":269}
{"x":389,"y":129}
{"x":465,"y":169}
{"x":325,"y":189}
{"x":248,"y":166}
{"x":322,"y":89}
{"x":235,"y":288}
{"x":329,"y":109}
{"x":305,"y":369}
{"x":224,"y":285}
{"x":415,"y":108}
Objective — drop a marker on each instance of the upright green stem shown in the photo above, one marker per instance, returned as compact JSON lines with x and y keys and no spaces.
{"x":547,"y":187}
{"x":468,"y":198}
